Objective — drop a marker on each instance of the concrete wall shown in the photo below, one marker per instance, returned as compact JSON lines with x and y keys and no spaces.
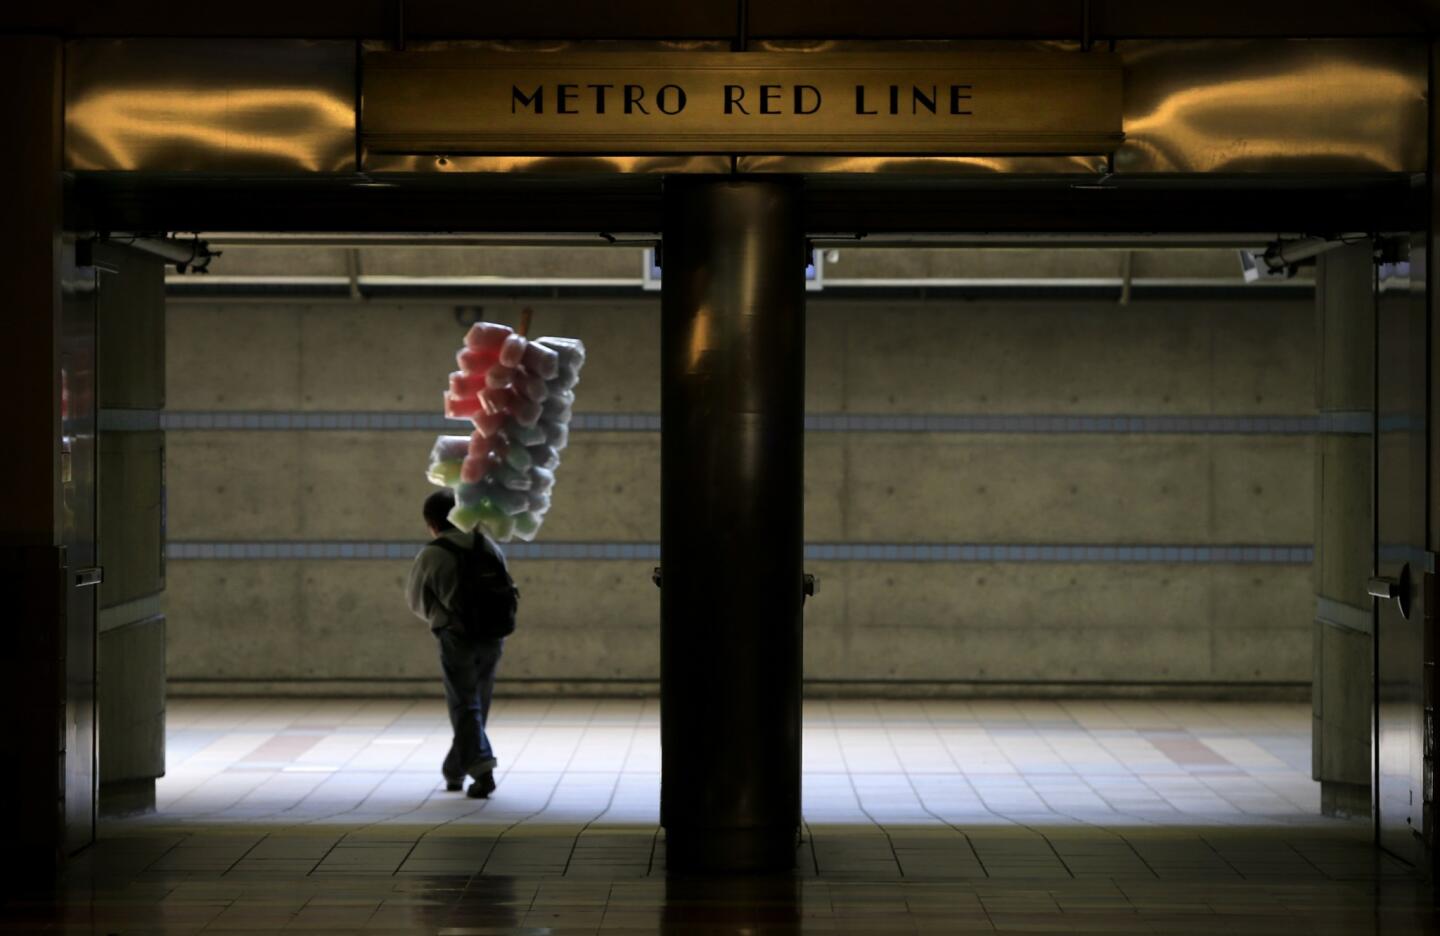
{"x":935,"y":616}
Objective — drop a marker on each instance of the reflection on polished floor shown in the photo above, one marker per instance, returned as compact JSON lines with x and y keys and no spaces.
{"x":329,"y":816}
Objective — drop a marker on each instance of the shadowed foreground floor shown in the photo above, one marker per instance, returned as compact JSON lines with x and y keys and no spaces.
{"x":328,"y":816}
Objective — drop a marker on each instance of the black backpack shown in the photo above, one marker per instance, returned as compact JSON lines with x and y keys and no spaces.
{"x":488,"y":597}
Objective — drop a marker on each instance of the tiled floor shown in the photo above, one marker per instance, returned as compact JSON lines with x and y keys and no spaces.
{"x":328,"y":816}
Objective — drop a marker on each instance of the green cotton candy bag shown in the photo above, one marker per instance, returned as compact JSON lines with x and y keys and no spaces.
{"x":465,"y":518}
{"x":526,"y":526}
{"x":499,"y":526}
{"x":444,"y":474}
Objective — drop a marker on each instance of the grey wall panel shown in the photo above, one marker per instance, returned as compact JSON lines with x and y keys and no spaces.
{"x":1344,"y":518}
{"x":323,"y":357}
{"x":1262,"y":489}
{"x":132,"y":701}
{"x":238,"y":484}
{"x":346,"y":620}
{"x":340,"y":345}
{"x":131,"y":512}
{"x":369,"y":485}
{"x":1343,"y":694}
{"x":130,"y":325}
{"x":1095,"y":358}
{"x":242,"y":619}
{"x":1248,"y":597}
{"x":257,"y":349}
{"x":1261,"y":361}
{"x":1101,"y":489}
{"x":1006,"y":623}
{"x":131,"y":652}
{"x":1344,"y":491}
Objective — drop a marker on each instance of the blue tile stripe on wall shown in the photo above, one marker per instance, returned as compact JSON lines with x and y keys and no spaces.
{"x":1336,"y":423}
{"x":816,"y":552}
{"x":130,"y":420}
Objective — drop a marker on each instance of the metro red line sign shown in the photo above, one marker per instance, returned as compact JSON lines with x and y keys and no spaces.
{"x":466,"y":103}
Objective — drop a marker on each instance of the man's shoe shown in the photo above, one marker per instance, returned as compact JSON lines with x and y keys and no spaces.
{"x":454,"y":786}
{"x":482,"y":787}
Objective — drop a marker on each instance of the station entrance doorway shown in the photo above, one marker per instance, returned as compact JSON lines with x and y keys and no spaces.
{"x":733,"y":422}
{"x":734,"y":254}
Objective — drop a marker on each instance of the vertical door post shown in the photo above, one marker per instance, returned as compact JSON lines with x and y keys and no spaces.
{"x":32,"y":589}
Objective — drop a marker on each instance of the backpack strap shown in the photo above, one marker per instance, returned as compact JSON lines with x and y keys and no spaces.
{"x":449,"y":545}
{"x":486,"y":545}
{"x":483,"y":546}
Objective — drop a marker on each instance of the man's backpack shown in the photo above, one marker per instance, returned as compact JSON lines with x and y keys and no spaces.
{"x":488,"y":597}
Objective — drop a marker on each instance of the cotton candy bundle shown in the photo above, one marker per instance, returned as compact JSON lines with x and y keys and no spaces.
{"x":519,"y":395}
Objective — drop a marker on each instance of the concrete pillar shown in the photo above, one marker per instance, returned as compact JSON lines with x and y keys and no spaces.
{"x":32,"y":587}
{"x":731,"y":538}
{"x":1342,"y":692}
{"x":131,"y":651}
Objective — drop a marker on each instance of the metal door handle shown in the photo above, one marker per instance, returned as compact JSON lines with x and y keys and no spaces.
{"x":1381,"y":587}
{"x":84,"y":578}
{"x":1397,"y":589}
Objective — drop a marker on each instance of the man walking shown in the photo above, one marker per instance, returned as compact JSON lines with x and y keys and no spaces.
{"x":461,"y":587}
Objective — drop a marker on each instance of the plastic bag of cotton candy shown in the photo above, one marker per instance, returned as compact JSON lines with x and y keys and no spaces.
{"x":519,"y":394}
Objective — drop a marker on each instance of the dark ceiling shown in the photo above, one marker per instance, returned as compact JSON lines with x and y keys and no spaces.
{"x":840,"y":204}
{"x":721,"y":19}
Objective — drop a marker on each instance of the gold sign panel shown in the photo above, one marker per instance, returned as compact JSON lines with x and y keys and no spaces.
{"x":467,"y":103}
